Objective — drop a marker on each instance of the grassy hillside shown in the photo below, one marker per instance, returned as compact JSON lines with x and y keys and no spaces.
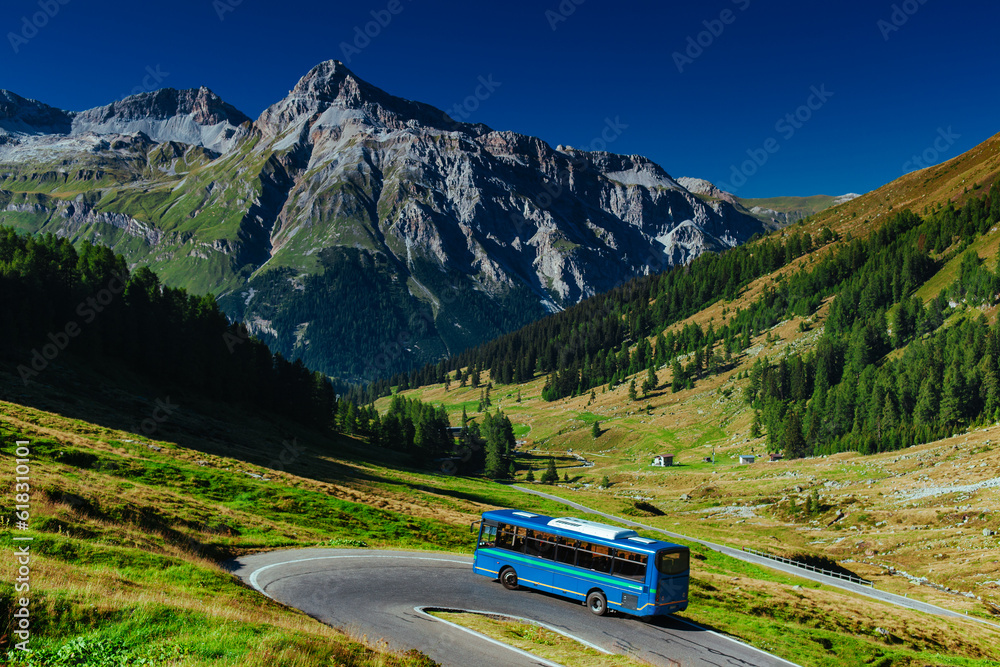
{"x":954,"y":181}
{"x":131,"y":530}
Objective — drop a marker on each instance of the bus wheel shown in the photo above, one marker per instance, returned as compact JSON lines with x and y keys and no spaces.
{"x":597,"y":603}
{"x":509,"y":579}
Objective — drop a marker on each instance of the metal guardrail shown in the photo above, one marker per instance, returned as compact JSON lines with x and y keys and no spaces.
{"x":805,"y":566}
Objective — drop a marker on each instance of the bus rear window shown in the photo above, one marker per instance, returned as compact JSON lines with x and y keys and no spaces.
{"x":673,"y":562}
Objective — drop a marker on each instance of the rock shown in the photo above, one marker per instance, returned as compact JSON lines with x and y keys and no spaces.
{"x":497,"y":211}
{"x":685,"y":496}
{"x":987,"y":532}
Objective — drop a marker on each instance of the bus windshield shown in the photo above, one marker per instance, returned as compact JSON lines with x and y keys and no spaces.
{"x":673,"y":562}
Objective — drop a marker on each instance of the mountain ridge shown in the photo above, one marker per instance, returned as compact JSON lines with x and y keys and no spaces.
{"x":467,"y":231}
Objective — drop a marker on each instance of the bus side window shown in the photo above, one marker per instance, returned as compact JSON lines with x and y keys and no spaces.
{"x":594,"y":557}
{"x":546,"y":545}
{"x":531,"y":546}
{"x":602,"y":558}
{"x":519,"y":539}
{"x":566,"y":550}
{"x":488,"y":536}
{"x":505,"y":537}
{"x":630,"y":565}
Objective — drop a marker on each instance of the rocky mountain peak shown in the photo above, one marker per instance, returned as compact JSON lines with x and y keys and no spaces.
{"x":328,"y":81}
{"x":331,"y":85}
{"x":204,"y":107}
{"x":20,"y":115}
{"x":196,"y":116}
{"x":700,"y":186}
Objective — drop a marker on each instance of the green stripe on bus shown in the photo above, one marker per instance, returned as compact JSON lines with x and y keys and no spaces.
{"x":513,"y":555}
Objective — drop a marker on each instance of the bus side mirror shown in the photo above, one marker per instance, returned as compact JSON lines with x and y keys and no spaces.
{"x":472,"y":526}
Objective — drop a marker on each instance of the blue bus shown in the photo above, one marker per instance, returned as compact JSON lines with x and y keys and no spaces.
{"x":598,"y":564}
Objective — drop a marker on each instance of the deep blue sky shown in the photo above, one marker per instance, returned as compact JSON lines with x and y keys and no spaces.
{"x":607,"y":60}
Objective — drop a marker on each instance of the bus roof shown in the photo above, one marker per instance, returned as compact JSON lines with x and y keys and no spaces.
{"x":579,"y":528}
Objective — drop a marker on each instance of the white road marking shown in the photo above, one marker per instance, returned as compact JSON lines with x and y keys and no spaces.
{"x":255,"y":573}
{"x":523,"y":620}
{"x":543,"y":661}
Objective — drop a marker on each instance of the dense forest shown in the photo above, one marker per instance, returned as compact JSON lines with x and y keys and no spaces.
{"x":352,"y":342}
{"x":86,"y":304}
{"x":587,"y":345}
{"x":422,"y":432}
{"x":885,"y":373}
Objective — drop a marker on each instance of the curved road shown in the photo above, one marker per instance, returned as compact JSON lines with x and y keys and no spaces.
{"x":379,"y":594}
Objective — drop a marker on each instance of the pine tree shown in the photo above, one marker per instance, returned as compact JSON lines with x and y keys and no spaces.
{"x":755,"y":425}
{"x":953,"y":398}
{"x":793,"y":443}
{"x":605,"y":482}
{"x":596,"y":430}
{"x":677,"y":380}
{"x":531,"y":475}
{"x":551,"y":475}
{"x":631,"y":391}
{"x":650,"y":384}
{"x":926,"y":410}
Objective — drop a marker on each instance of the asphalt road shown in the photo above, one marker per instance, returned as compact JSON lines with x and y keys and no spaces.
{"x":380,"y":594}
{"x":891,"y":598}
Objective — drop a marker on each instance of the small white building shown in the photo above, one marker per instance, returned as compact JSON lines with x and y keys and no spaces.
{"x":663,"y":460}
{"x":747,"y":459}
